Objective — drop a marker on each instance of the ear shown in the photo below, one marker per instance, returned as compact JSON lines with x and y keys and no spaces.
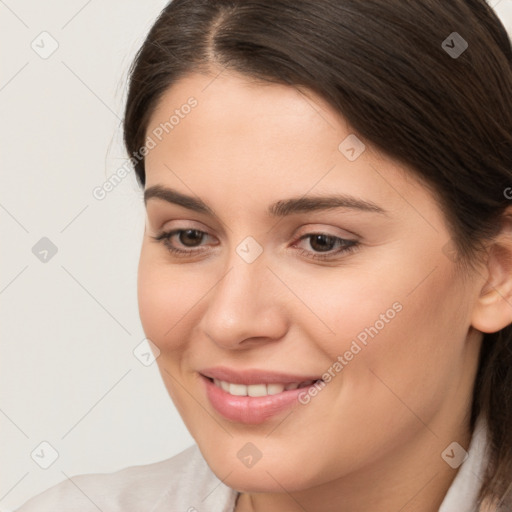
{"x":493,"y":309}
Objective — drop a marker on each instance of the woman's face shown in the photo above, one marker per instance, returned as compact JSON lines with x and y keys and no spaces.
{"x":302,"y":255}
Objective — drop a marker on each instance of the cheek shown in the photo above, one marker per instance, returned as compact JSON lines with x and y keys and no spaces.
{"x":342,"y":305}
{"x":166,"y":296}
{"x":417,"y":355}
{"x":401,"y":332}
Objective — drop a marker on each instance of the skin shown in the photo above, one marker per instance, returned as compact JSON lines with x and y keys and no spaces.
{"x":372,"y":438}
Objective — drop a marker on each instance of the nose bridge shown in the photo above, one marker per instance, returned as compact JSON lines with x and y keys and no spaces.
{"x":243,"y":304}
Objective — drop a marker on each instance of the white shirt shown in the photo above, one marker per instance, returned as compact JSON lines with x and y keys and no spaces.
{"x":185,"y":483}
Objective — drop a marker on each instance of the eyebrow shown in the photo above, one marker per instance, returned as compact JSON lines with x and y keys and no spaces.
{"x":280,"y":208}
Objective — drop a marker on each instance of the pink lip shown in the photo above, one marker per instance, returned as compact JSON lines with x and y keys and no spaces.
{"x":248,"y":409}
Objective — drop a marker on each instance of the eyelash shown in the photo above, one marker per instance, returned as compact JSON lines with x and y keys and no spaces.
{"x":347,"y":246}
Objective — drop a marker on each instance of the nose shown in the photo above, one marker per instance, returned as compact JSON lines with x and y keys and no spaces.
{"x":245,"y":307}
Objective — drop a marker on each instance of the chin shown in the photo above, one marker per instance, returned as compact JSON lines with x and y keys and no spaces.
{"x":263,"y":482}
{"x":264,"y":476}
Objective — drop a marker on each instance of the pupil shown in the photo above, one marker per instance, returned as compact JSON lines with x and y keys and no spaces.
{"x":322,"y":242}
{"x":190,"y":237}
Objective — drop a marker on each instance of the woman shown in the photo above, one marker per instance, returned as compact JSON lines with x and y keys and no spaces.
{"x":326,"y":270}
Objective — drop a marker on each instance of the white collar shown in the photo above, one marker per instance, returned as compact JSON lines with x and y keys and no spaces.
{"x":462,"y":494}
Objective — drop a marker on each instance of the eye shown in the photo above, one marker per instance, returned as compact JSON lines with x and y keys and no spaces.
{"x":322,"y":246}
{"x":190,"y":237}
{"x":178,"y":240}
{"x":325,"y":246}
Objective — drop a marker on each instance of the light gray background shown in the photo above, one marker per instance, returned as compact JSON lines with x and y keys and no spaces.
{"x":69,"y":325}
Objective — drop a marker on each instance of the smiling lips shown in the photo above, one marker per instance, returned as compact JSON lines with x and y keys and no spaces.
{"x":258,"y":389}
{"x":252,"y":396}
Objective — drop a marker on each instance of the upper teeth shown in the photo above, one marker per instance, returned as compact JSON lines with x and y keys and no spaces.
{"x":258,"y":389}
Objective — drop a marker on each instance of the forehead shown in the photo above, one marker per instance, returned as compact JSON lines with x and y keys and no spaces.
{"x":218,"y":91}
{"x":244,"y":138}
{"x":240,"y":126}
{"x":230,"y":109}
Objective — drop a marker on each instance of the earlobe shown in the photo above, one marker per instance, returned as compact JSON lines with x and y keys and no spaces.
{"x":493,"y":309}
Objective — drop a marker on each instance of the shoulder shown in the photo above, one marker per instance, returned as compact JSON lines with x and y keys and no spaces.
{"x":183,"y":482}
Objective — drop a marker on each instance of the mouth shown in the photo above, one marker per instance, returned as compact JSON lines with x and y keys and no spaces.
{"x":258,"y":390}
{"x":254,"y":396}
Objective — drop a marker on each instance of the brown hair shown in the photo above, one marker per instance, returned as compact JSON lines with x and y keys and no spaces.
{"x":384,"y":67}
